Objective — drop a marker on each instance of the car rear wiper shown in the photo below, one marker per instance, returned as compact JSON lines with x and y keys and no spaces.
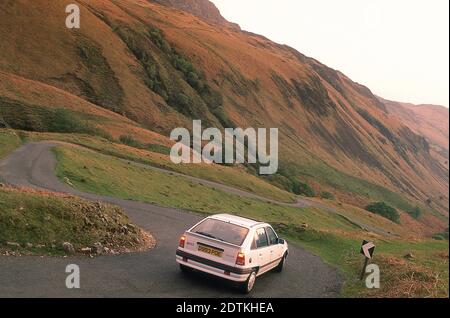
{"x":211,"y":236}
{"x":206,"y":234}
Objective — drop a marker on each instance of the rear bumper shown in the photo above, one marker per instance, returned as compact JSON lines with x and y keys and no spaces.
{"x":235,"y":274}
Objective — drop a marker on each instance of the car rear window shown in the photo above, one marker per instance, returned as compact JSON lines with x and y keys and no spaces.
{"x":222,"y":231}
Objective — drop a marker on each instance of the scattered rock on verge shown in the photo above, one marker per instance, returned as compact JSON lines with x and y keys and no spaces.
{"x":68,"y":248}
{"x":409,"y":256}
{"x":280,"y":226}
{"x":13,"y":244}
{"x":98,"y":248}
{"x":86,"y":250}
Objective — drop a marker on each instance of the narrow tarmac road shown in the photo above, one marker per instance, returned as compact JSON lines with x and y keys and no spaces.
{"x":150,"y":274}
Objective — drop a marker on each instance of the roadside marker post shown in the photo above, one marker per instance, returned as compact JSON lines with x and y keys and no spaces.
{"x":367,"y":249}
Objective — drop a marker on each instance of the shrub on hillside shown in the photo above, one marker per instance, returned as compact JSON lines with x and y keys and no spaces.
{"x":157,"y":38}
{"x":385,"y":210}
{"x":64,"y":121}
{"x":415,"y":212}
{"x":223,"y":118}
{"x":158,"y":148}
{"x":301,"y":188}
{"x":182,"y":100}
{"x":172,"y":92}
{"x":327,"y":195}
{"x":441,"y":236}
{"x":28,"y":117}
{"x":275,"y":179}
{"x":130,"y":141}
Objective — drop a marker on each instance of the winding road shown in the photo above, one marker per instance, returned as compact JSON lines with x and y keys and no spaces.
{"x":149,"y":274}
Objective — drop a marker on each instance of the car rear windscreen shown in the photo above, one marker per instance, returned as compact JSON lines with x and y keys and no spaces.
{"x":222,"y":231}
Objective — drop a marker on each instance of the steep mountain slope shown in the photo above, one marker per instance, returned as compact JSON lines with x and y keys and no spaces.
{"x":431,"y":121}
{"x":162,"y":67}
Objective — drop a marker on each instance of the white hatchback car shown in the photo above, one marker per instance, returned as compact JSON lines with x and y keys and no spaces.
{"x":233,"y":248}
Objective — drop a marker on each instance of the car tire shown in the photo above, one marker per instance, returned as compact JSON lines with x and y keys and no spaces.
{"x":280,"y":266}
{"x":248,"y":285}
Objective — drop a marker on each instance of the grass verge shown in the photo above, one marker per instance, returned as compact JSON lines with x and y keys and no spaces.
{"x":9,"y":141}
{"x":38,"y":222}
{"x":408,"y":269}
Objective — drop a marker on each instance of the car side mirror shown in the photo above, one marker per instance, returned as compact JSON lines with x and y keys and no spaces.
{"x":280,"y":241}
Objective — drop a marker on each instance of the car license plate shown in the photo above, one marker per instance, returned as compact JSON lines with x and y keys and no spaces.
{"x":209,"y":250}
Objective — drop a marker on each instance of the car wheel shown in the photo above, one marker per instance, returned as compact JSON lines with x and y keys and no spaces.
{"x":248,"y":285}
{"x":280,"y":266}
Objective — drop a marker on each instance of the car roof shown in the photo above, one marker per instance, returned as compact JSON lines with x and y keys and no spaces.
{"x":236,"y":220}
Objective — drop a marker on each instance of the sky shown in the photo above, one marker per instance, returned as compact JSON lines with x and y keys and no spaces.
{"x":398,"y":48}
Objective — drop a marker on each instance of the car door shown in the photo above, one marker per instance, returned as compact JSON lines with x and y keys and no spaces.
{"x":276,"y":249}
{"x":261,"y":249}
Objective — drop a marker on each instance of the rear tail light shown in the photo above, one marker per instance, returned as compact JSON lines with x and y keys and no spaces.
{"x":240,"y":259}
{"x":182,"y":241}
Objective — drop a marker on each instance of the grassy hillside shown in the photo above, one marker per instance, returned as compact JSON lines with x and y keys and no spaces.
{"x":38,"y":222}
{"x":97,"y":173}
{"x":233,"y":176}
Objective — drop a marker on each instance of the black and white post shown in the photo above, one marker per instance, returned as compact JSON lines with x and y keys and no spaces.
{"x":367,"y":249}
